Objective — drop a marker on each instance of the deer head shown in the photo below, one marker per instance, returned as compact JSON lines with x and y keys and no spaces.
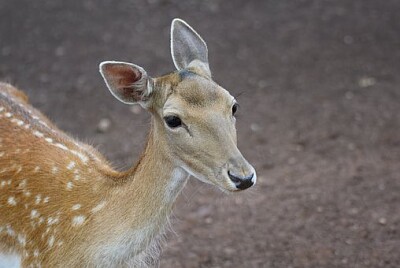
{"x":193,"y":117}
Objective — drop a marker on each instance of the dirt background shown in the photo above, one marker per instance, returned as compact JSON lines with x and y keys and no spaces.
{"x":318,"y":83}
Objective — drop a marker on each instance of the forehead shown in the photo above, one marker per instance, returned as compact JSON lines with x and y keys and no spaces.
{"x":195,"y":90}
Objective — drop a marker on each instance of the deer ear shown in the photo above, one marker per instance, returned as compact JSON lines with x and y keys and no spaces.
{"x":128,"y":82}
{"x":188,"y":49}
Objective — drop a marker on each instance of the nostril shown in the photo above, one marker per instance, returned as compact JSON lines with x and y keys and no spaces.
{"x":234,"y":178}
{"x":240,"y":182}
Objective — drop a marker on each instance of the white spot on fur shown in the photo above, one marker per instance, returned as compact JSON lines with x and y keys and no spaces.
{"x":1,"y":109}
{"x":11,"y":201}
{"x":38,"y":198}
{"x":51,"y":240}
{"x":61,"y":146}
{"x":71,"y":165}
{"x":2,"y":184}
{"x":17,"y":121}
{"x":49,"y":140}
{"x":76,"y":207}
{"x":70,"y":185}
{"x":34,"y":214}
{"x":36,"y":253}
{"x":54,"y":170}
{"x":21,"y":239}
{"x":51,"y":220}
{"x":37,"y":168}
{"x":19,"y":169}
{"x":99,"y":207}
{"x":78,"y":220}
{"x":8,"y":114}
{"x":10,"y":231}
{"x":46,"y":199}
{"x":22,"y":184}
{"x":38,"y":134}
{"x":81,"y":156}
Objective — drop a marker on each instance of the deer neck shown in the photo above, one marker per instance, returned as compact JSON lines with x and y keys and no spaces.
{"x":150,"y":189}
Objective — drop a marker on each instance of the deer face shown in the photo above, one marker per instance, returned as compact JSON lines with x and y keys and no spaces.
{"x":194,"y":117}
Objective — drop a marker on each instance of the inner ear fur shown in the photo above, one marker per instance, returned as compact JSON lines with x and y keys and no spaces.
{"x":127,"y":82}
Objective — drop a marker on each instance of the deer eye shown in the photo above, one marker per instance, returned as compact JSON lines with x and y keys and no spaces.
{"x":173,"y":121}
{"x":235,"y":108}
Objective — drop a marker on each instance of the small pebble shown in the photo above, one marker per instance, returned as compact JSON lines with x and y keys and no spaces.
{"x":382,"y":220}
{"x":104,"y":125}
{"x":366,"y":82}
{"x":254,"y":127}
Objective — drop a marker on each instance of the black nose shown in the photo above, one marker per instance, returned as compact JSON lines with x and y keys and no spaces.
{"x":240,"y":182}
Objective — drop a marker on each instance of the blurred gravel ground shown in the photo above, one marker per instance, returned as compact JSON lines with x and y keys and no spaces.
{"x":318,"y":83}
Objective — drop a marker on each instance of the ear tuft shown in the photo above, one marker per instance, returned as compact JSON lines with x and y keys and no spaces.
{"x":188,"y":49}
{"x":126,"y":81}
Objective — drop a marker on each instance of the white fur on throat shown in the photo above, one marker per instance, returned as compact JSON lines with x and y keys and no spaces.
{"x":141,"y":248}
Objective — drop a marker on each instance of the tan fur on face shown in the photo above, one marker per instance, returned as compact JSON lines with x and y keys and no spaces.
{"x":206,"y":145}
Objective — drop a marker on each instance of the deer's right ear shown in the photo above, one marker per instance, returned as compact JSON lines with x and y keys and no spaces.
{"x":188,"y":49}
{"x":128,"y":82}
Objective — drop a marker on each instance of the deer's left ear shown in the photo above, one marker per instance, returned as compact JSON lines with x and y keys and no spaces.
{"x":188,"y":49}
{"x":127,"y":82}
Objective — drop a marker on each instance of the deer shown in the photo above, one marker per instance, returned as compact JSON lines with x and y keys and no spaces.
{"x":63,"y":205}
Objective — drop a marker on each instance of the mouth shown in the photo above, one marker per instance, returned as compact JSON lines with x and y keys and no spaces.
{"x":226,"y":181}
{"x":227,"y":185}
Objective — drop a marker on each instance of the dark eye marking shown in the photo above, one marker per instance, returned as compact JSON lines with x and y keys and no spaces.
{"x":173,"y":121}
{"x":235,"y":107}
